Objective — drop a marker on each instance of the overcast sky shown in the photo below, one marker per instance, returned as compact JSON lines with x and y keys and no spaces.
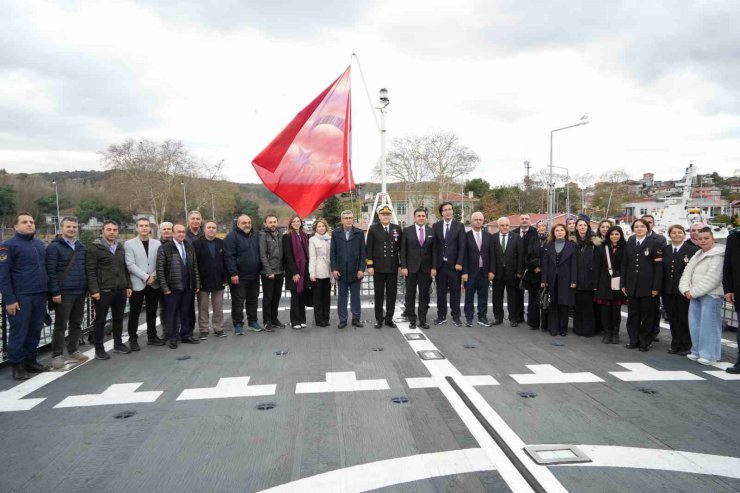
{"x":658,"y":79}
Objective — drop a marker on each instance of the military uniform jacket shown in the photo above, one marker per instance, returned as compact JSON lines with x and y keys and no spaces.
{"x":674,"y":264}
{"x":384,"y":249}
{"x":642,"y":269}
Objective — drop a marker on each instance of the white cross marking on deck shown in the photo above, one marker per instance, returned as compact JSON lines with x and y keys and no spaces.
{"x":342,"y":381}
{"x":721,"y":373}
{"x":550,"y":374}
{"x":12,"y":399}
{"x":120,"y":393}
{"x":228,"y":387}
{"x":639,"y":372}
{"x":431,"y":382}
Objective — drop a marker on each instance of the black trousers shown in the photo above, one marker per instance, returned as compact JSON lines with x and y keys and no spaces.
{"x":557,"y":315}
{"x":177,"y":313}
{"x":448,"y":281}
{"x":520,"y":303}
{"x":510,"y":285}
{"x":656,"y":316}
{"x":533,"y":305}
{"x":272,"y":291}
{"x":297,"y":308}
{"x":115,"y":300}
{"x":422,"y":281}
{"x":246,"y":293}
{"x":151,"y":296}
{"x":67,"y":313}
{"x":677,"y":307}
{"x":321,"y":300}
{"x":477,"y":285}
{"x":385,"y":285}
{"x":611,"y":318}
{"x":640,"y":314}
{"x":583,"y":320}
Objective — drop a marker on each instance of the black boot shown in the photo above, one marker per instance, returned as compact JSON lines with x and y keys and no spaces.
{"x":607,"y":339}
{"x":20,"y":372}
{"x":734,"y":369}
{"x":615,"y":336}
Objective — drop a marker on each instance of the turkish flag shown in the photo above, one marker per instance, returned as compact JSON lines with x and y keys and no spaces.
{"x":309,"y":161}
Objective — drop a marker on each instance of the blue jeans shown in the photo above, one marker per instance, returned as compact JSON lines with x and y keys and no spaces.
{"x":477,"y":284}
{"x":705,"y":325}
{"x":354,"y":290}
{"x":25,"y":328}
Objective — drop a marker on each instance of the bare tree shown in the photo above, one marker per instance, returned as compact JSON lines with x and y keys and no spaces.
{"x":407,"y":163}
{"x":149,"y":173}
{"x":447,"y":158}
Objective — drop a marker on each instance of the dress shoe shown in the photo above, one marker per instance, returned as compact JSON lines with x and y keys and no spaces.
{"x":155,"y":341}
{"x":632,"y":346}
{"x":456,"y":322}
{"x":734,"y":369}
{"x":190,"y":340}
{"x":20,"y":372}
{"x":134,"y":345}
{"x":390,"y":323}
{"x":36,"y":367}
{"x":412,"y":325}
{"x":268,"y":328}
{"x":378,"y":324}
{"x":172,"y":344}
{"x":643,"y":349}
{"x":497,"y":322}
{"x":424,"y":325}
{"x":297,"y":327}
{"x":513,"y":323}
{"x":356,"y":323}
{"x":121,"y":348}
{"x":440,"y":321}
{"x":278,"y":324}
{"x":672,"y":351}
{"x":342,"y":325}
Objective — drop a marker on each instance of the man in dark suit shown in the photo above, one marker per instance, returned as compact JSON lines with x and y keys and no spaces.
{"x":508,"y":261}
{"x":527,"y":233}
{"x":449,"y":236}
{"x":210,"y":256}
{"x":477,"y":274}
{"x":383,"y":256}
{"x":418,"y":250}
{"x":661,"y":241}
{"x":731,"y":283}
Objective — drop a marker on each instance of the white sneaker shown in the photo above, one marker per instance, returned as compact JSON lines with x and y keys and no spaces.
{"x":303,"y":326}
{"x":57,"y":362}
{"x":705,"y":361}
{"x":692,"y":357}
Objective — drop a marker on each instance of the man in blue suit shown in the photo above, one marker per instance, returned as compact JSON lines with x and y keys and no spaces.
{"x":449,"y":236}
{"x":477,"y":272}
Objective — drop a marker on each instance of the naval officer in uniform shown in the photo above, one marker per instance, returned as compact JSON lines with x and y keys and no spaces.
{"x":383,"y":261}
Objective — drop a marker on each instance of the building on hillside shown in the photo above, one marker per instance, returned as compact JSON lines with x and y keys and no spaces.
{"x":405,"y":202}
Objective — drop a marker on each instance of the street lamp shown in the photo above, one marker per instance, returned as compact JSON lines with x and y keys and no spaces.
{"x":56,"y":192}
{"x":184,"y":200}
{"x":382,"y":197}
{"x":551,"y":196}
{"x":567,"y":188}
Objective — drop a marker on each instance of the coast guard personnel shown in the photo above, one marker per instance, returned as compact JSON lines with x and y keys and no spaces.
{"x":23,"y":284}
{"x":383,"y":260}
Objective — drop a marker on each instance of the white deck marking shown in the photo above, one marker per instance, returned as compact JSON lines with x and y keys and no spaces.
{"x":11,"y":399}
{"x":227,"y":388}
{"x":721,"y":373}
{"x":550,"y":374}
{"x":662,"y":460}
{"x":439,"y":369}
{"x":430,"y":382}
{"x":341,"y":381}
{"x":384,"y":473}
{"x":120,"y":393}
{"x":640,"y":372}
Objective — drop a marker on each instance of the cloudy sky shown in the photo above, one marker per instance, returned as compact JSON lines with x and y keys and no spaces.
{"x":658,"y":79}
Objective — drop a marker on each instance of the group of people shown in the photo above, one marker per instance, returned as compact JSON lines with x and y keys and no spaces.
{"x":568,"y":271}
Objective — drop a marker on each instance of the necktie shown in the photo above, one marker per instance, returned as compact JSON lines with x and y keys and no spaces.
{"x":675,"y":250}
{"x":447,"y":229}
{"x":421,"y":236}
{"x":522,"y":231}
{"x":182,"y":253}
{"x":503,"y":244}
{"x":638,"y":244}
{"x":386,"y":229}
{"x":477,"y":239}
{"x":480,"y":254}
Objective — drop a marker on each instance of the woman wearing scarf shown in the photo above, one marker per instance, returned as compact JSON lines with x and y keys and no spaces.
{"x":608,"y":296}
{"x":319,"y":270}
{"x":295,"y":246}
{"x":586,"y":243}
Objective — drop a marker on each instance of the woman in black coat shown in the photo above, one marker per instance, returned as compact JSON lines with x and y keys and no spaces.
{"x":559,"y":277}
{"x":295,"y":258}
{"x":536,"y":317}
{"x":676,"y":255}
{"x":641,"y":277}
{"x":608,"y":299}
{"x":586,"y":243}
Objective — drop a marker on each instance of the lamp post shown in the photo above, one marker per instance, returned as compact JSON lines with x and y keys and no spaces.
{"x":567,"y":188}
{"x":56,"y":192}
{"x":184,"y":200}
{"x":551,"y":195}
{"x":382,"y":197}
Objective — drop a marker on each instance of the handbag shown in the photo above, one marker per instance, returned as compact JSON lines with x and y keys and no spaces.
{"x":544,"y":298}
{"x":615,"y":281}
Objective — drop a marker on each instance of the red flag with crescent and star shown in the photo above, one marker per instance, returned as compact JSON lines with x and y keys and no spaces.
{"x":309,"y":161}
